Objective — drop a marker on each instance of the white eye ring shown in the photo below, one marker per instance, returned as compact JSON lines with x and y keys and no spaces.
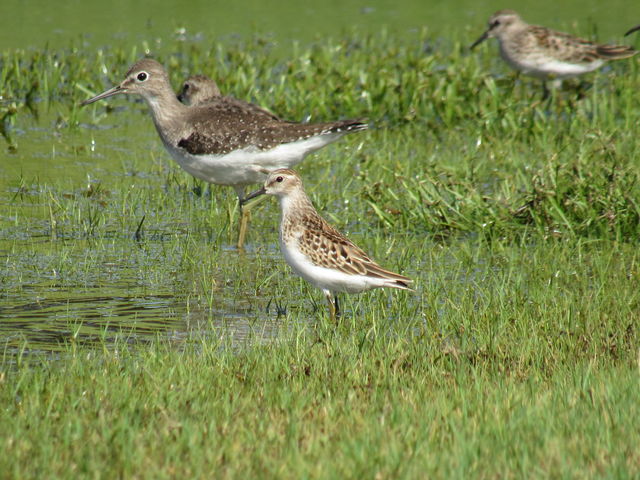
{"x":142,"y":76}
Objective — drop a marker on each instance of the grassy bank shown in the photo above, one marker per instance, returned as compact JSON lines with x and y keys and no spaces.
{"x":350,"y":403}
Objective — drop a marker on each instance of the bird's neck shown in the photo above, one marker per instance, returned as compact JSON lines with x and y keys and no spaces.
{"x":166,"y":110}
{"x":294,"y":206}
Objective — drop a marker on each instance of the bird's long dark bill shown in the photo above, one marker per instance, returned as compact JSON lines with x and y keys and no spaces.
{"x":253,"y":195}
{"x":484,"y":36}
{"x":112,"y":91}
{"x":634,"y":29}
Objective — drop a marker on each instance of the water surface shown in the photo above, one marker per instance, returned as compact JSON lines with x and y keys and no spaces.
{"x":57,"y":24}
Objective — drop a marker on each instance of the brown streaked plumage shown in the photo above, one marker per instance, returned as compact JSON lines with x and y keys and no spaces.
{"x":318,"y":252}
{"x":200,"y":89}
{"x":544,"y":53}
{"x":216,"y":136}
{"x":223,"y":141}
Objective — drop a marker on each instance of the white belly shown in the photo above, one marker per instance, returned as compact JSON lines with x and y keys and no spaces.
{"x":543,"y":66}
{"x":242,"y":167}
{"x":326,"y":278}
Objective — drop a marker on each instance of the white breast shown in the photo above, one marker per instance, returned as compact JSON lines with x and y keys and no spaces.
{"x":242,"y":167}
{"x":538,"y":64}
{"x":326,"y":278}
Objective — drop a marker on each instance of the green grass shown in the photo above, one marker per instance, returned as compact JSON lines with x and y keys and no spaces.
{"x":462,"y":148}
{"x":507,"y":364}
{"x":526,"y":369}
{"x":516,"y":357}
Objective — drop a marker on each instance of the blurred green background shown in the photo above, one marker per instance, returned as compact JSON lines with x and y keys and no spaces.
{"x":56,"y":24}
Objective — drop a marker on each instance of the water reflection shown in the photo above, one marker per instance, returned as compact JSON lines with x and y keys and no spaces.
{"x":49,"y":325}
{"x":97,"y":286}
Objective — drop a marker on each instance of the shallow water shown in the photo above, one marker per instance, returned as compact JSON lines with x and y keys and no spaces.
{"x":62,"y":282}
{"x":71,"y":273}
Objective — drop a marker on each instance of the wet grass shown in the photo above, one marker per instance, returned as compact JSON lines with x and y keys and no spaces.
{"x":462,"y":148}
{"x":516,"y":357}
{"x":493,"y":374}
{"x":524,"y":366}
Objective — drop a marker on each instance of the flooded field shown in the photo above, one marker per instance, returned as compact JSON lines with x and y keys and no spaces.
{"x":137,"y":341}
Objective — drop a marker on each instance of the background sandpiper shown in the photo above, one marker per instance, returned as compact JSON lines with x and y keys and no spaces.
{"x":221,"y":141}
{"x":545,"y":53}
{"x":198,"y":89}
{"x":318,"y":252}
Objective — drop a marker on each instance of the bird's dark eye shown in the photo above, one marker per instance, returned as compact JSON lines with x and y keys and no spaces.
{"x":186,"y":87}
{"x":142,"y":76}
{"x":279,"y":179}
{"x":495,"y":23}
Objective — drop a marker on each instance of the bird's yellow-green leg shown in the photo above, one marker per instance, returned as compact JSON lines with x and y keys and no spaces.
{"x":334,"y":309}
{"x":245,"y":216}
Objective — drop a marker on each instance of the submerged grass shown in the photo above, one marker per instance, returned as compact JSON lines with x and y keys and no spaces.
{"x":517,"y":356}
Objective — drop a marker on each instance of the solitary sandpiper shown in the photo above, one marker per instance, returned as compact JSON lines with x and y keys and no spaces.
{"x":200,"y":89}
{"x":221,"y":141}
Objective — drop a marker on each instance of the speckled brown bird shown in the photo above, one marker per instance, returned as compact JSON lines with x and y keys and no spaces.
{"x":224,"y":142}
{"x":545,"y":53}
{"x":318,"y":252}
{"x":198,"y":89}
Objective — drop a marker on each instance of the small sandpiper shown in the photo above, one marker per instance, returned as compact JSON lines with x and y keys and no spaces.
{"x":221,"y":141}
{"x":545,"y":53}
{"x":200,"y":89}
{"x":318,"y":252}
